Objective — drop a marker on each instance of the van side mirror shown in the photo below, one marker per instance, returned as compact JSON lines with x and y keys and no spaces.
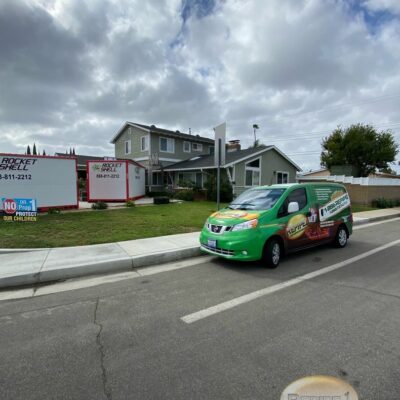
{"x":293,"y":207}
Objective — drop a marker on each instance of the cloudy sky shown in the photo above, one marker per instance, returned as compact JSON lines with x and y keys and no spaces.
{"x":72,"y":71}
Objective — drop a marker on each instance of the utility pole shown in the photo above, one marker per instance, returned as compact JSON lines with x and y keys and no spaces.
{"x":255,"y":127}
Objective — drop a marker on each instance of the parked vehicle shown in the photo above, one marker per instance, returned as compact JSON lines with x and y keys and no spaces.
{"x":266,"y":222}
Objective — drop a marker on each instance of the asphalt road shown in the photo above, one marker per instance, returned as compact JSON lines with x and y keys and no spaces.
{"x":127,"y":339}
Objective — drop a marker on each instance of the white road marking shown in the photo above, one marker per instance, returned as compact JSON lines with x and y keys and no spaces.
{"x":355,"y":228}
{"x":80,"y":283}
{"x":207,"y":312}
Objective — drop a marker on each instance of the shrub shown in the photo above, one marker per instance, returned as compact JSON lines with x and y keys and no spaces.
{"x":226,"y":194}
{"x":186,"y":195}
{"x":381,"y":202}
{"x":130,"y":203}
{"x":161,"y":200}
{"x":99,"y":205}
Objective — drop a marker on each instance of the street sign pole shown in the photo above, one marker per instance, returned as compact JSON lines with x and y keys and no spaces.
{"x":219,"y":174}
{"x":219,"y":160}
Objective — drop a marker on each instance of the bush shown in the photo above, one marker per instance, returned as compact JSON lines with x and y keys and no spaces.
{"x":99,"y":205}
{"x":130,"y":203}
{"x":381,"y":202}
{"x":52,"y":211}
{"x":186,"y":195}
{"x":226,"y":193}
{"x":161,"y":200}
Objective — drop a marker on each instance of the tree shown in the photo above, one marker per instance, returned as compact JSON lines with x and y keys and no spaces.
{"x":34,"y":152}
{"x":28,"y":150}
{"x":44,"y":152}
{"x":360,"y":146}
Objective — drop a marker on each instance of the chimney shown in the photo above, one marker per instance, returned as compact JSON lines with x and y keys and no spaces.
{"x":233,"y":145}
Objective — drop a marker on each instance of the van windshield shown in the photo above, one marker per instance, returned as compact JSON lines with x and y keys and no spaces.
{"x":256,"y":199}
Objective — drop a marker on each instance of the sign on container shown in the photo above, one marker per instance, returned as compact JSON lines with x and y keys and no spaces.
{"x":52,"y":181}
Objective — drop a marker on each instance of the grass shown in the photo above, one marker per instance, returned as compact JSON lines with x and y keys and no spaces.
{"x":359,"y":208}
{"x":94,"y":227}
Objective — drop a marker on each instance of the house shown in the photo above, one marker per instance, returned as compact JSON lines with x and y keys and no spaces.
{"x":173,"y":157}
{"x":156,"y":148}
{"x":262,"y":165}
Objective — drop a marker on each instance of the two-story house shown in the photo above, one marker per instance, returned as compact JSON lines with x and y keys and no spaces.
{"x":173,"y":157}
{"x":156,"y":148}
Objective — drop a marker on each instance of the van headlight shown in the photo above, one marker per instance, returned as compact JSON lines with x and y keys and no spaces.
{"x":245,"y":225}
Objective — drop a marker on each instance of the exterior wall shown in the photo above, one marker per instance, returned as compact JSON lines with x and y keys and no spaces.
{"x":134,"y":135}
{"x":271,"y":161}
{"x":179,"y":154}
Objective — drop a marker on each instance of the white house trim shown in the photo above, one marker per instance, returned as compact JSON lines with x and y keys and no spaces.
{"x":116,"y":136}
{"x":166,"y":138}
{"x":253,"y":169}
{"x":282,"y":172}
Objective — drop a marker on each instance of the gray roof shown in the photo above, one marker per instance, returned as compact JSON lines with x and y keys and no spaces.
{"x":166,"y":132}
{"x":81,"y":159}
{"x":207,"y":161}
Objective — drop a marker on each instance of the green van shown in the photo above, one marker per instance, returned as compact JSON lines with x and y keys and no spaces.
{"x":267,"y":221}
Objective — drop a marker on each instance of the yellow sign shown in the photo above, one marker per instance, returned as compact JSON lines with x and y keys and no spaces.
{"x":296,"y":226}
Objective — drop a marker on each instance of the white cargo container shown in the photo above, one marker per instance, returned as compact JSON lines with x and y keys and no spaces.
{"x":115,"y":180}
{"x":52,"y":181}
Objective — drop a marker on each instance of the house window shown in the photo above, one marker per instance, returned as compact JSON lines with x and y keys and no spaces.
{"x":282,"y":177}
{"x":186,"y":147}
{"x":128,"y":147}
{"x":252,"y":173}
{"x":144,"y":143}
{"x":167,"y":145}
{"x":197,"y":147}
{"x":211,"y":150}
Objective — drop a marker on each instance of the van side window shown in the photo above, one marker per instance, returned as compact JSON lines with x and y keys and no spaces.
{"x":298,"y":195}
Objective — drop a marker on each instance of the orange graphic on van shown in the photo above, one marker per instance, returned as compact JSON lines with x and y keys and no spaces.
{"x":234,"y":214}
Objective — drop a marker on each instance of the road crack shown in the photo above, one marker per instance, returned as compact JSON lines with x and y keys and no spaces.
{"x":100,"y":346}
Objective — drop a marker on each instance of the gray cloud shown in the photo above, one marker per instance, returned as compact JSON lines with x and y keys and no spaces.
{"x":72,"y":71}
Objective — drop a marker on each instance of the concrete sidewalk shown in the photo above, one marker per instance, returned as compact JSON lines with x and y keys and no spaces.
{"x":28,"y":267}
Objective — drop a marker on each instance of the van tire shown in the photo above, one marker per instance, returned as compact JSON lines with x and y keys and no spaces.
{"x":272,"y":253}
{"x":341,"y":237}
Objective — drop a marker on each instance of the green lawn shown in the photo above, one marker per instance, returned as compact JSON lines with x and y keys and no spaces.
{"x":93,"y":227}
{"x":358,"y":208}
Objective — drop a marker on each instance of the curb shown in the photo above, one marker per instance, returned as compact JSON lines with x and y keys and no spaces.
{"x":363,"y":221}
{"x":122,"y":264}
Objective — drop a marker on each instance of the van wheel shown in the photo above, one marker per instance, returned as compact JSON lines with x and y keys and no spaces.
{"x":272,"y":253}
{"x":341,"y":237}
